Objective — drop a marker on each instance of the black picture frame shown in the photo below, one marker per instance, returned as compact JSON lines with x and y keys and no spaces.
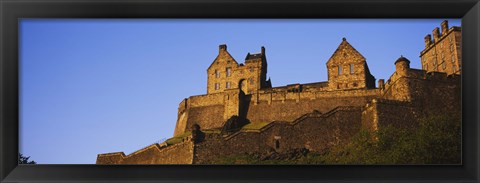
{"x":11,"y":11}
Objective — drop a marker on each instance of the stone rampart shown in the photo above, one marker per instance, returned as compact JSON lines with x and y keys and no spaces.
{"x":181,"y":153}
{"x":314,"y":131}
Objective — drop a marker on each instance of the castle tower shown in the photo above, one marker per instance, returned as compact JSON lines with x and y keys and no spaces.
{"x":402,"y":65}
{"x":443,"y":53}
{"x":220,"y":72}
{"x":348,"y":69}
{"x":225,"y":73}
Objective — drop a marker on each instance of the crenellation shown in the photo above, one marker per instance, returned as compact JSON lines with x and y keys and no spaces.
{"x":444,"y":53}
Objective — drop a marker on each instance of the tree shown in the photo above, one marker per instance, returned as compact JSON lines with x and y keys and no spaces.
{"x":436,"y":140}
{"x":24,"y":159}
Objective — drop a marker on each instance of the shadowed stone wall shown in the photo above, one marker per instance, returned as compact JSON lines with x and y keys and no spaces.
{"x":181,"y":153}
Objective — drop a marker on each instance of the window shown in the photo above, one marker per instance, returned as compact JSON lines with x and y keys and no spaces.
{"x":251,"y":69}
{"x":217,"y":86}
{"x":451,"y":48}
{"x":217,"y":73}
{"x":453,"y":58}
{"x":229,"y":71}
{"x":450,"y":38}
{"x":441,"y":45}
{"x":443,"y":55}
{"x":454,"y":68}
{"x":351,"y":69}
{"x":339,"y":70}
{"x":251,"y":81}
{"x":227,"y":85}
{"x":435,"y":65}
{"x":444,"y":65}
{"x":425,"y":66}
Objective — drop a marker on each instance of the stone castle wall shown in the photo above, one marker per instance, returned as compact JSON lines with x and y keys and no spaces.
{"x":209,"y":110}
{"x":315,"y":131}
{"x":181,"y":153}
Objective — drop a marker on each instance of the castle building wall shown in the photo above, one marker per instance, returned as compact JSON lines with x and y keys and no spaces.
{"x":212,"y":111}
{"x":289,"y":106}
{"x":407,"y":99}
{"x":316,"y":132}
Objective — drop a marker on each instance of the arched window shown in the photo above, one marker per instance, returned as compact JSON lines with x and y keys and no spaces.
{"x":351,"y":69}
{"x":339,"y":70}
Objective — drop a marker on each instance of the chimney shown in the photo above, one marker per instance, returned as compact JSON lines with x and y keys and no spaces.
{"x":381,"y":83}
{"x":444,"y":26}
{"x":263,"y":50}
{"x":222,"y":47}
{"x":428,"y":40}
{"x":436,"y":34}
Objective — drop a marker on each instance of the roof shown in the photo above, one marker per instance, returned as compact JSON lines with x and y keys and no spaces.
{"x":224,"y":53}
{"x":402,"y":59}
{"x":253,"y":56}
{"x":345,"y":45}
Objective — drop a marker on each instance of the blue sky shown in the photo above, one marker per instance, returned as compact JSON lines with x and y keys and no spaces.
{"x":90,"y":86}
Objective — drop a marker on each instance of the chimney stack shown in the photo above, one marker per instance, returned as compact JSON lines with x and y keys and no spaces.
{"x":222,"y":47}
{"x":428,"y":40}
{"x":381,"y":83}
{"x":444,"y":25}
{"x":436,"y":34}
{"x":263,"y":50}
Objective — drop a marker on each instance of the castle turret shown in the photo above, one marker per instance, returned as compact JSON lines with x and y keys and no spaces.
{"x":402,"y":65}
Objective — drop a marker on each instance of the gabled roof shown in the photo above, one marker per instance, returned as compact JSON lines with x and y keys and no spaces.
{"x":225,"y":52}
{"x":345,"y":45}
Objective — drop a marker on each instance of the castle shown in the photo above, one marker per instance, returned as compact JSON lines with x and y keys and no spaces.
{"x":242,"y":113}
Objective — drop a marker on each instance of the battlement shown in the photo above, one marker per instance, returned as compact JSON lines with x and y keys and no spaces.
{"x":438,"y":36}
